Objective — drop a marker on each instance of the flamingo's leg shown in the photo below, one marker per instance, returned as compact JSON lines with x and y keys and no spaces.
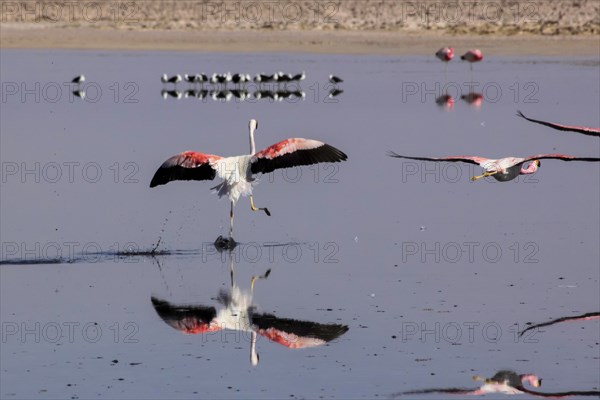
{"x":484,"y":175}
{"x":266,"y":210}
{"x":231,"y":221}
{"x":254,"y":278}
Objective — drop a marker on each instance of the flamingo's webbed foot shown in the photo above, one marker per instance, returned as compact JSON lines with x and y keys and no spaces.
{"x":254,"y":208}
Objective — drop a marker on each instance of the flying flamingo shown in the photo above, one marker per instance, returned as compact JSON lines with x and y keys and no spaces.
{"x":237,"y":172}
{"x":506,"y":382}
{"x":580,"y":129}
{"x":503,"y":169}
{"x":583,"y":317}
{"x":239,"y":314}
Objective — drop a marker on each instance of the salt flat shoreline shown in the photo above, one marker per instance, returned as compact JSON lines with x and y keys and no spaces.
{"x":16,"y":36}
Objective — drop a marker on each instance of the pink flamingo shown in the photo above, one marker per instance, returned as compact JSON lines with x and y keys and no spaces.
{"x":503,"y":169}
{"x":445,"y":54}
{"x":472,"y":56}
{"x":237,"y":172}
{"x":580,"y":129}
{"x":582,"y":317}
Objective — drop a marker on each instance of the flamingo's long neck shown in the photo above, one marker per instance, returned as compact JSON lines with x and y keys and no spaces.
{"x":253,"y":354}
{"x":531,"y":168}
{"x":532,"y":379}
{"x":252,"y":145}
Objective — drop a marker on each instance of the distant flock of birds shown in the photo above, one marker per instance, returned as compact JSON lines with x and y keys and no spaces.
{"x":240,"y":79}
{"x":446,"y":54}
{"x":219,"y":90}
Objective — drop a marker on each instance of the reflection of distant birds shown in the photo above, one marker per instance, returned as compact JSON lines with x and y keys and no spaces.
{"x":445,"y":54}
{"x":446,"y":101}
{"x":175,"y":79}
{"x":79,"y":93}
{"x":335,"y":79}
{"x":78,"y":79}
{"x":172,"y":93}
{"x":505,"y":382}
{"x":502,"y":169}
{"x":190,"y":93}
{"x":473,"y":99}
{"x":580,"y":129}
{"x":264,"y":94}
{"x":237,"y":173}
{"x":582,"y":317}
{"x":221,"y":95}
{"x":238,"y":313}
{"x":335,"y":92}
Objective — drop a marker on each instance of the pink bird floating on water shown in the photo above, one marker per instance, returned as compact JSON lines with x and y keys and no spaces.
{"x":238,"y":172}
{"x":503,"y":169}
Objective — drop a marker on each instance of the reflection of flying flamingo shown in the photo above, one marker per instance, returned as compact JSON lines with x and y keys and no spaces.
{"x":237,"y":172}
{"x":580,"y":129}
{"x":239,"y":314}
{"x":503,"y":169}
{"x":505,"y":382}
{"x":583,"y":317}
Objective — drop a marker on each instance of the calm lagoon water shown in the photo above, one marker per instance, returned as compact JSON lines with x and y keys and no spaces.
{"x":433,"y":275}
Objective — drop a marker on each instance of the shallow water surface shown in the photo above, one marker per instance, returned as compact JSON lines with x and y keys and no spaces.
{"x":433,"y":275}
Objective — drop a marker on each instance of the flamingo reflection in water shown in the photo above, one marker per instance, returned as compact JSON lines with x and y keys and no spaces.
{"x":502,"y":169}
{"x":238,"y":313}
{"x":583,"y":317}
{"x":505,"y":382}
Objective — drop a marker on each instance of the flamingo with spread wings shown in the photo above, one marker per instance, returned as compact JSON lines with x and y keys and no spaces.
{"x":567,"y":128}
{"x":502,"y":169}
{"x":238,"y":172}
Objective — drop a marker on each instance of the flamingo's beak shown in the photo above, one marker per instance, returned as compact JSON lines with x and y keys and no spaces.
{"x":538,"y":163}
{"x":537,"y":383}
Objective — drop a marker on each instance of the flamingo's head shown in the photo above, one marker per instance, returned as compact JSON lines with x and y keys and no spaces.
{"x":537,"y":163}
{"x":532,"y":379}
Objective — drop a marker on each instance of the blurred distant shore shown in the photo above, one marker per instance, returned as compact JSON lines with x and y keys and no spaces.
{"x":343,"y":27}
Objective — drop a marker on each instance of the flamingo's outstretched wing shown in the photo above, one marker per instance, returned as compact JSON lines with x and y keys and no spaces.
{"x":561,"y":395}
{"x":296,"y":334}
{"x":294,"y":152}
{"x":190,"y":319}
{"x":467,"y":159}
{"x":563,"y":157}
{"x":186,"y":166}
{"x":582,"y":317}
{"x":581,"y":129}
